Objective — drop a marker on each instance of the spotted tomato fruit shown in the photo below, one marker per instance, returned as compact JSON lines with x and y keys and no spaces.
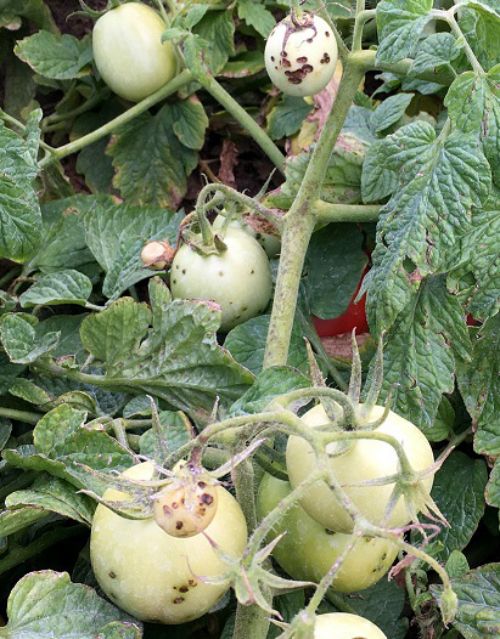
{"x":128,"y":51}
{"x":301,"y":54}
{"x":343,"y":625}
{"x":308,"y":550}
{"x":365,"y":460}
{"x":238,"y":279}
{"x":187,"y":505}
{"x":154,"y":576}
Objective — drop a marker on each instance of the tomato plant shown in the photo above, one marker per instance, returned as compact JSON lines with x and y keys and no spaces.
{"x":138,"y":327}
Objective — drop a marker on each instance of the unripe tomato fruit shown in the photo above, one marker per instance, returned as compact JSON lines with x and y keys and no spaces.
{"x":301,"y":55}
{"x":365,"y":460}
{"x":308,"y":550}
{"x":343,"y":625}
{"x":152,"y":575}
{"x":238,"y":279}
{"x":128,"y":51}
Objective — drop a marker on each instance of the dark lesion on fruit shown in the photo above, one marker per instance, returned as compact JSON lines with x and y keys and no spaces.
{"x":206,"y":499}
{"x":297,"y":76}
{"x":325,"y":59}
{"x":178,"y":600}
{"x":179,"y":525}
{"x":302,"y":59}
{"x":112,"y":574}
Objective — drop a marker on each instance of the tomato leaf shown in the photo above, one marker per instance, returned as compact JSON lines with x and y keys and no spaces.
{"x":247,"y":343}
{"x":116,"y":233}
{"x":479,"y":385}
{"x":287,"y":116}
{"x":473,"y":103}
{"x":421,"y":353}
{"x":34,"y":10}
{"x":177,"y":359}
{"x":20,"y":216}
{"x":462,"y":508}
{"x":174,"y":431}
{"x":190,"y":122}
{"x":434,"y":52}
{"x":332,"y":280}
{"x":12,"y":521}
{"x":400,"y":24}
{"x":54,"y":495}
{"x":476,"y":280}
{"x":217,"y":28}
{"x":63,"y":287}
{"x":480,"y":22}
{"x":256,"y":16}
{"x":58,"y":57}
{"x":46,"y":602}
{"x":21,"y":342}
{"x":151,"y":164}
{"x":419,"y":228}
{"x":478,"y":591}
{"x":390,"y":111}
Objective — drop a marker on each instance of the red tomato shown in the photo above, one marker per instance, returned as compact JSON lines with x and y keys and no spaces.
{"x":353,"y":318}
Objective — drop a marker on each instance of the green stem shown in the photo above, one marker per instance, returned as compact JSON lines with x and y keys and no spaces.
{"x":361,"y":19}
{"x":21,"y":554}
{"x":244,"y":483}
{"x":322,"y":11}
{"x":326,"y":212}
{"x":67,"y":115}
{"x":9,"y":275}
{"x":367,"y":59}
{"x":449,"y":18}
{"x":300,"y":222}
{"x":210,"y":84}
{"x":20,"y":415}
{"x":72,"y":147}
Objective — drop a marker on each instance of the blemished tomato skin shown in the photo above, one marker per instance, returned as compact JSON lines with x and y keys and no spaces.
{"x":308,"y":550}
{"x":343,"y":625}
{"x":365,"y":460}
{"x":239,"y":279}
{"x":301,"y":61}
{"x":128,"y":51}
{"x":154,"y":576}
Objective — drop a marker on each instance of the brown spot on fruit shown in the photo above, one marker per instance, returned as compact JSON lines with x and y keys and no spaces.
{"x":272,"y":58}
{"x":206,"y":499}
{"x":302,"y":59}
{"x":327,"y":33}
{"x":179,"y":525}
{"x":202,"y":484}
{"x":112,"y":574}
{"x":184,"y":589}
{"x":192,"y":583}
{"x":221,"y":273}
{"x":325,"y":59}
{"x":178,"y":600}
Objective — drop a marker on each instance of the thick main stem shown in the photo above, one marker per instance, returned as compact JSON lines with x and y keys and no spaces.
{"x":301,"y":219}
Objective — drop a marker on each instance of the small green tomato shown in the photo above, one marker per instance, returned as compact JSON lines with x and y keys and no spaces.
{"x":343,"y":625}
{"x":301,"y":55}
{"x":366,"y":459}
{"x":154,"y":576}
{"x":308,"y":550}
{"x":238,"y":279}
{"x":128,"y":51}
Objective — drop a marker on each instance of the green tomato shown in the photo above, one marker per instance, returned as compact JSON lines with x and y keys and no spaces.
{"x":128,"y":51}
{"x":154,"y":576}
{"x":365,"y":460}
{"x":308,"y":550}
{"x":342,"y":625}
{"x":270,"y":243}
{"x":238,"y":279}
{"x":301,"y":58}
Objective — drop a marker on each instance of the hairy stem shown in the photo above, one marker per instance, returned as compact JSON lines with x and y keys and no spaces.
{"x":110,"y":127}
{"x":326,"y":212}
{"x":20,"y":415}
{"x":217,"y":91}
{"x":300,"y":222}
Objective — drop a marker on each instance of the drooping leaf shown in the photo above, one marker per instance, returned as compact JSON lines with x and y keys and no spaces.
{"x":480,"y":21}
{"x":59,"y":57}
{"x":420,"y":226}
{"x":116,"y":233}
{"x":217,"y":28}
{"x":47,"y":604}
{"x":62,"y":287}
{"x":20,"y":216}
{"x":390,"y":111}
{"x":152,"y":165}
{"x":422,"y":351}
{"x":287,"y":116}
{"x":177,"y":359}
{"x":479,"y":384}
{"x":400,"y":24}
{"x":54,"y":495}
